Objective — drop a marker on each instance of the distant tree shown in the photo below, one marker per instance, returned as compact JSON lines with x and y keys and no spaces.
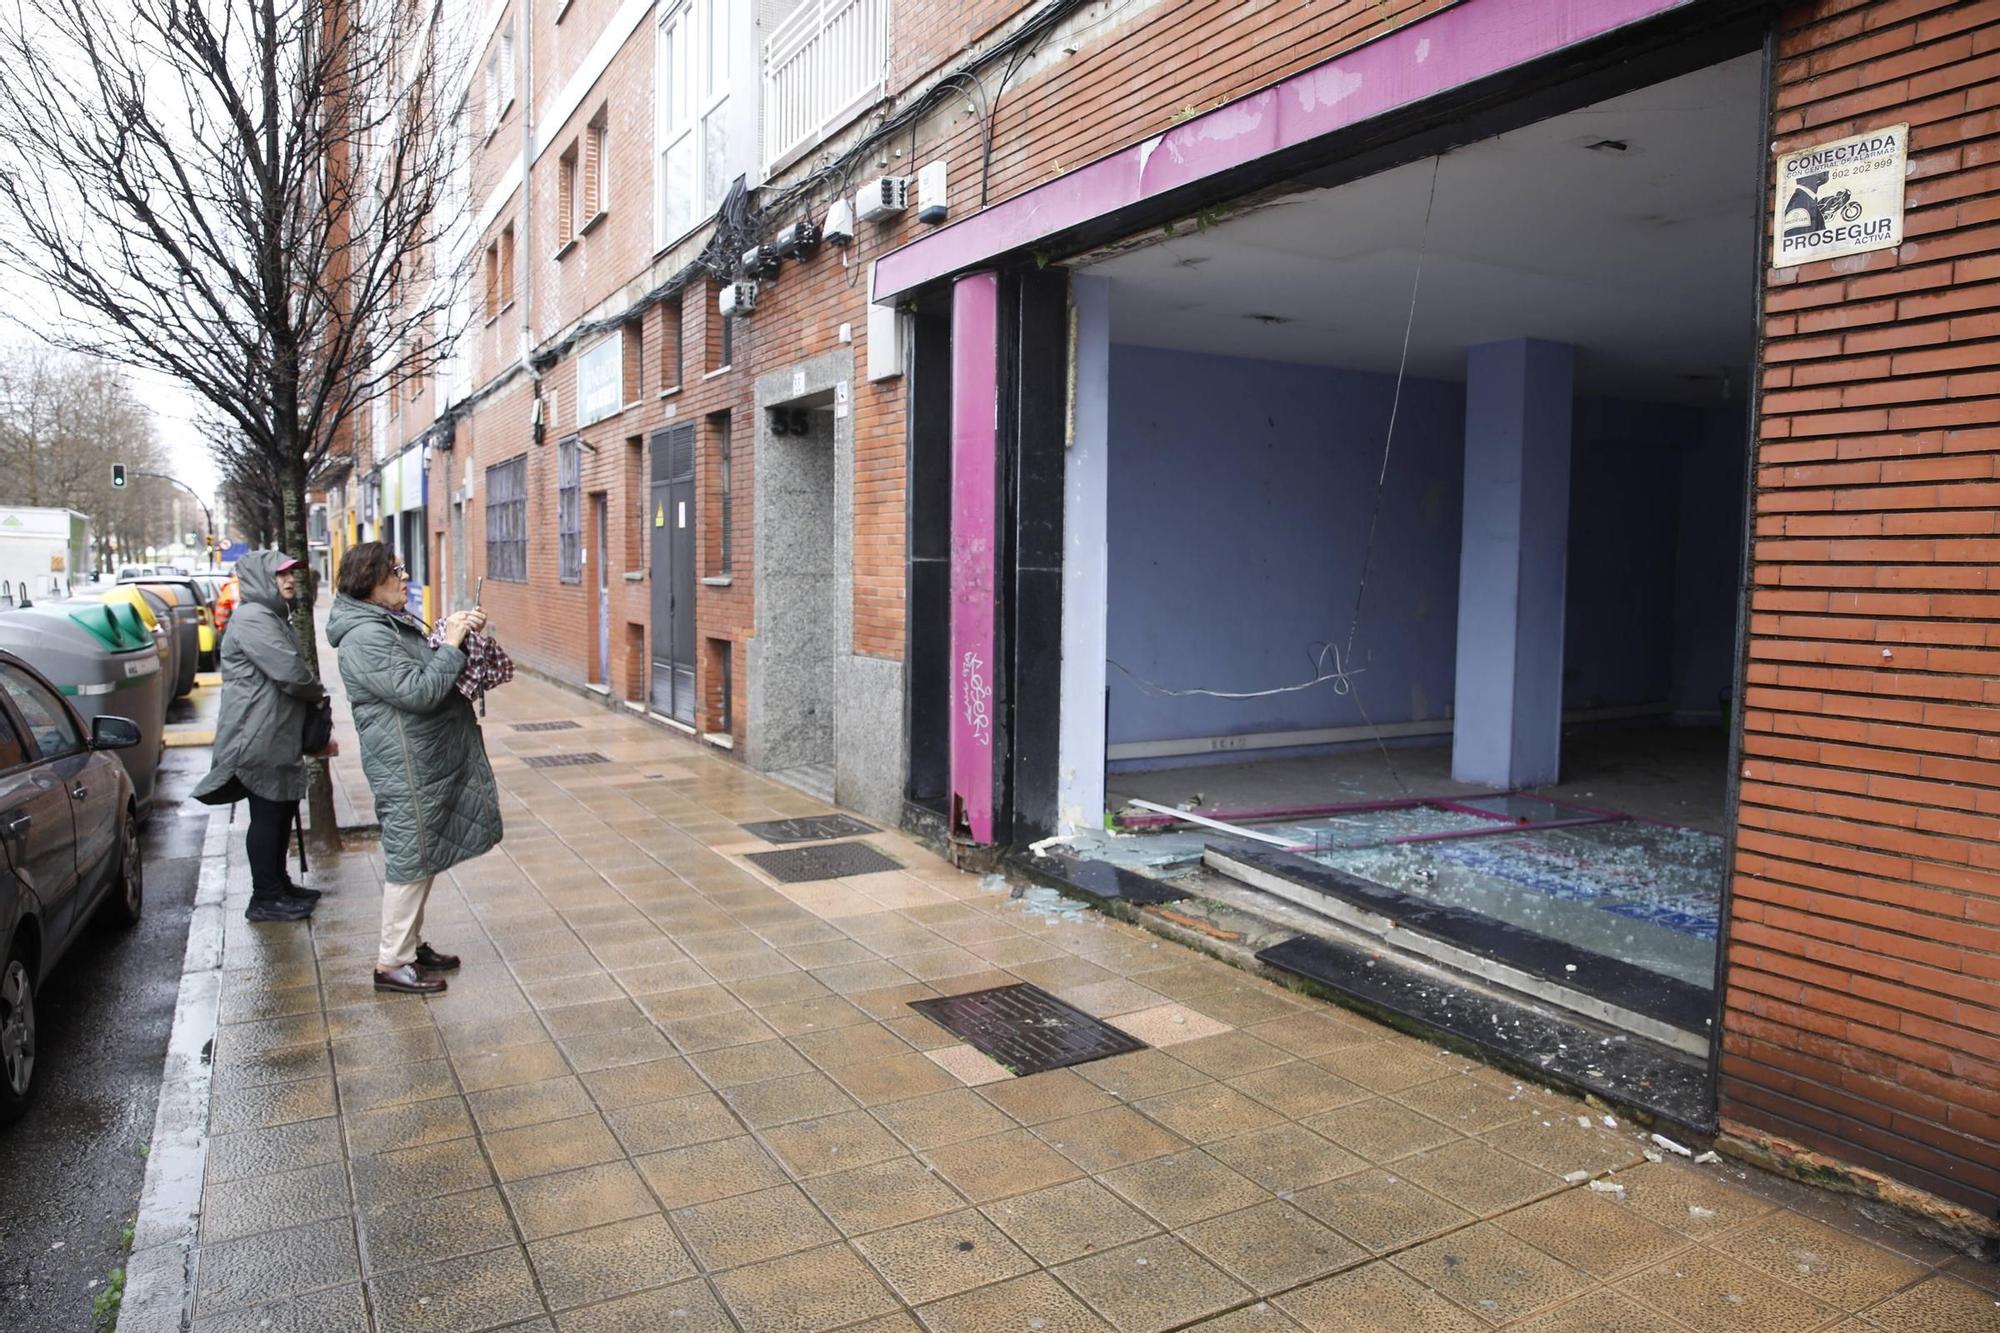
{"x":247,"y":196}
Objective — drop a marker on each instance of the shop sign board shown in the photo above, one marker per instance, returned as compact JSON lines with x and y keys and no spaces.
{"x":1840,"y":198}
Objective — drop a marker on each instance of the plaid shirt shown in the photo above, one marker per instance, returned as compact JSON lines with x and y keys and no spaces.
{"x":486,"y":663}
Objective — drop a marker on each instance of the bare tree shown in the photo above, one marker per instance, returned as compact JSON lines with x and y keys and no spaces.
{"x":64,"y":420}
{"x":255,"y":197}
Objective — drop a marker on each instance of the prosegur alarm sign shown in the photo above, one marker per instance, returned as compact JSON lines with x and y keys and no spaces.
{"x":1841,"y":198}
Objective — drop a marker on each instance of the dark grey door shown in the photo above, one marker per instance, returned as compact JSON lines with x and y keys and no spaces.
{"x":673,"y":573}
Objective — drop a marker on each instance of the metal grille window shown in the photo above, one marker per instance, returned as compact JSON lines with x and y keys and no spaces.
{"x":569,"y":508}
{"x":719,"y":434}
{"x":507,"y":520}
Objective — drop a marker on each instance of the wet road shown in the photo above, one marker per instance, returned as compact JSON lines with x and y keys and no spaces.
{"x":71,"y":1169}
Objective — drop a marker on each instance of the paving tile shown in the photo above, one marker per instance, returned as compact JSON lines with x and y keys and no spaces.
{"x":943,"y":1256}
{"x":1168,"y":1025}
{"x":1477,"y":1177}
{"x":652,"y":979}
{"x":1690,"y":1200}
{"x":1230,"y":1054}
{"x":1375,"y":1298}
{"x":604,"y":1016}
{"x":410,"y":1126}
{"x":1298,"y":1088}
{"x":834,"y":1143}
{"x":1381,"y":1130}
{"x":1209,"y":1111}
{"x":747,"y":1228}
{"x":630,"y":1085}
{"x":1310,"y":1032}
{"x":733,"y":1066}
{"x":472,"y":1292}
{"x":1938,"y":1302}
{"x":1105,"y":1140}
{"x":1033,"y":1301}
{"x":943,"y":1118}
{"x":690,"y":1002}
{"x":621,"y":1046}
{"x":1590,"y":1232}
{"x":823,"y":1014}
{"x":712,"y":1032}
{"x":557,"y":1145}
{"x":529,"y":1104}
{"x":891,"y":1001}
{"x":336,"y":1310}
{"x":778,"y":989}
{"x":1272,"y":1247}
{"x":573,"y":1200}
{"x":658,"y":1126}
{"x":394,"y":1085}
{"x":781,"y":1101}
{"x":411,"y":1046}
{"x":274,"y":1202}
{"x":1493,"y":1274}
{"x":1139,"y":1075}
{"x":685,"y":1307}
{"x":864,"y":1043}
{"x":1040,"y":1098}
{"x":1384,"y":1066}
{"x":1381,"y":1211}
{"x":1185,"y":1187}
{"x":684,"y":1177}
{"x":1151,"y":1285}
{"x":506,"y":1066}
{"x":422,"y":1231}
{"x":1834,"y":1266}
{"x":1286,"y":1157}
{"x":854,"y":978}
{"x":1068,"y":1221}
{"x":826,"y":1287}
{"x":253,"y":1068}
{"x":480,"y":1035}
{"x":1262,"y":1317}
{"x":1559,"y":1145}
{"x":276,"y":1264}
{"x":1001,"y":1164}
{"x":1241,"y":1006}
{"x":882,"y":1194}
{"x":235,"y":1110}
{"x":1713,"y":1292}
{"x":967,"y":1065}
{"x":581,"y":1267}
{"x":1604,"y":1310}
{"x":422,"y":1172}
{"x":897,"y":1079}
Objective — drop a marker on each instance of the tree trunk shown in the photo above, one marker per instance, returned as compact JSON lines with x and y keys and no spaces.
{"x":322,"y":825}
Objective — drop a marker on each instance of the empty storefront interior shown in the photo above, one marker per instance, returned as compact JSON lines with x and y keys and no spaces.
{"x":1422,"y":518}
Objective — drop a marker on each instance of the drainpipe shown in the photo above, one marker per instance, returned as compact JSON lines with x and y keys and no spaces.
{"x":527,"y":247}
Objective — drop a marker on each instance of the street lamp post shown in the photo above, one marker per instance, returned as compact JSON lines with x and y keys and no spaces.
{"x":119,"y":472}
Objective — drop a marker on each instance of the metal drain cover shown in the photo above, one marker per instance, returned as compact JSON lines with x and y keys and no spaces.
{"x":812,"y":828}
{"x":547,"y":726}
{"x":1026,"y":1029}
{"x":800,"y":865}
{"x":564,"y":760}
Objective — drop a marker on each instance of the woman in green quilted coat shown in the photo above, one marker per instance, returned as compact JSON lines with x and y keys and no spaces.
{"x":421,"y":750}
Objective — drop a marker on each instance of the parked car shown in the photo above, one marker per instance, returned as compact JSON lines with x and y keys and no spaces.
{"x":69,"y":850}
{"x":102,"y":659}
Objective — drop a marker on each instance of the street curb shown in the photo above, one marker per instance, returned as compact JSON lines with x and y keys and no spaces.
{"x":159,"y":1273}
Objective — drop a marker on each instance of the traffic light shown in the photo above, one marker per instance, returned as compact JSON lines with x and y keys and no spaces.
{"x":118,"y":476}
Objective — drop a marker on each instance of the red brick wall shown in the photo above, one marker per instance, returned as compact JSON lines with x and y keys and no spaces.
{"x":1864,"y":983}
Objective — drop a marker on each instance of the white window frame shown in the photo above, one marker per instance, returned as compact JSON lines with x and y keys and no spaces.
{"x":600,"y":391}
{"x":689,"y":92}
{"x":500,"y":80}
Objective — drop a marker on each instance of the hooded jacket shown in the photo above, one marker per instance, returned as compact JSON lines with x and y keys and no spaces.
{"x":421,"y":748}
{"x":267,"y":694}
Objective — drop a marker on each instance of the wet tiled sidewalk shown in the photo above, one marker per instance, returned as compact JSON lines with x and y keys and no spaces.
{"x":665,"y":1093}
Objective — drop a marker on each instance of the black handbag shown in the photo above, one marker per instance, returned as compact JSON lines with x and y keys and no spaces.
{"x":319,"y":727}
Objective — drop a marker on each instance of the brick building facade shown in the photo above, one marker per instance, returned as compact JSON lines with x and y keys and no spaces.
{"x":815,"y":444}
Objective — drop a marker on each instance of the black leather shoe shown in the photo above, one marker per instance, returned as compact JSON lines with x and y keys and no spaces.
{"x":277,"y":909}
{"x":301,"y":891}
{"x":407,"y":980}
{"x":431,"y":960}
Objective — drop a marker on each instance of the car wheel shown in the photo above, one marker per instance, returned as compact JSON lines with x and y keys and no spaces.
{"x":17,"y":1036}
{"x":127,"y":899}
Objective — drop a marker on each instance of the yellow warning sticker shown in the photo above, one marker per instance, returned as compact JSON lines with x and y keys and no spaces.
{"x":660,"y":517}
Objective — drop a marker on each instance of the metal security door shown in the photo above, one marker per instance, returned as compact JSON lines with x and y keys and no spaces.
{"x":673,"y":573}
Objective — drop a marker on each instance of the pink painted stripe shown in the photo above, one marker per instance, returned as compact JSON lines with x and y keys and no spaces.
{"x":1472,"y":40}
{"x":975,"y":409}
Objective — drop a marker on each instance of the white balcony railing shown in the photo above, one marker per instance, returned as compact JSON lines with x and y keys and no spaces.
{"x":822,"y":64}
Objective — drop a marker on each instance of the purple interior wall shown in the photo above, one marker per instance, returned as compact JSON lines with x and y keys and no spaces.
{"x":1239,"y":501}
{"x":1238,"y":511}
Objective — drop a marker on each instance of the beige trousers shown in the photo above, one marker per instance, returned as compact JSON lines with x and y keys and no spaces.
{"x":402,"y":922}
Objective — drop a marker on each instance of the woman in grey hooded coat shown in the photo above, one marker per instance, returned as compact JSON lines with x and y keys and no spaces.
{"x":268,"y":692}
